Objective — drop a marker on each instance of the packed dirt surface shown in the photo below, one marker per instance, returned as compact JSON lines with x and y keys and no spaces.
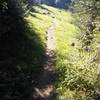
{"x":51,"y":37}
{"x":45,"y":89}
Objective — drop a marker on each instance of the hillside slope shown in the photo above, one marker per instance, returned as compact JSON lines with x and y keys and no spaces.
{"x":65,"y":32}
{"x":42,"y":59}
{"x":77,"y":78}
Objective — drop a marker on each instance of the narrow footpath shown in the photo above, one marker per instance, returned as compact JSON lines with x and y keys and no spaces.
{"x":45,"y":89}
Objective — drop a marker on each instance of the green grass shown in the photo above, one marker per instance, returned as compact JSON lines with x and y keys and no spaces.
{"x":77,"y":77}
{"x":65,"y":36}
{"x":36,"y":26}
{"x":39,"y":24}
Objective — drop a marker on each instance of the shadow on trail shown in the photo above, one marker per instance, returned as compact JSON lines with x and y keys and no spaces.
{"x":45,"y":89}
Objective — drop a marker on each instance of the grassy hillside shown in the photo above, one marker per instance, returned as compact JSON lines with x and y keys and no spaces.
{"x":77,"y":77}
{"x":65,"y":33}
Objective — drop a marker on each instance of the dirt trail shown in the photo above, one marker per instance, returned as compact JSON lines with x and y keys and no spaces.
{"x":45,"y":89}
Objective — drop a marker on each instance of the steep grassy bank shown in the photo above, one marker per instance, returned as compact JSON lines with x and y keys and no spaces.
{"x":77,"y":74}
{"x":77,"y":69}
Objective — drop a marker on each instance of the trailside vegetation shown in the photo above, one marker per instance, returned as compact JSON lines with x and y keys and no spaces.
{"x":78,"y":56}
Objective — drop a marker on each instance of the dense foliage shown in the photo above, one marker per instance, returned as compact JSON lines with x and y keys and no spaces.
{"x":88,"y":12}
{"x":79,"y":67}
{"x":88,"y":20}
